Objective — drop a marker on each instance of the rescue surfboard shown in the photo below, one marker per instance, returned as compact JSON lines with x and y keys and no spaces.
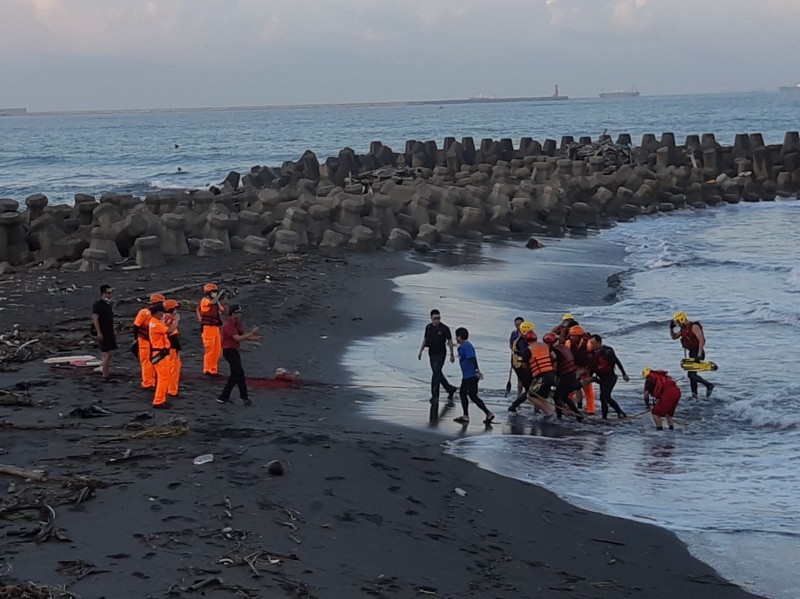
{"x":698,"y":365}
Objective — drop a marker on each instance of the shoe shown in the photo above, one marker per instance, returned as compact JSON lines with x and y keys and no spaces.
{"x":489,"y":418}
{"x":621,"y":415}
{"x":211,"y":374}
{"x":694,"y":395}
{"x":162,"y":406}
{"x":451,"y":394}
{"x":461,"y":420}
{"x":247,"y":402}
{"x":434,"y":399}
{"x":223,"y":400}
{"x":709,"y":389}
{"x":450,"y":403}
{"x":512,"y":409}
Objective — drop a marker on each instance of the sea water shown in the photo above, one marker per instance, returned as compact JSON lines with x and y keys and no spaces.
{"x":61,"y":155}
{"x":726,"y":479}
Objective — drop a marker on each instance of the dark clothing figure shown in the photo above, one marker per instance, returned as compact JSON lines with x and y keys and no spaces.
{"x":469,"y":390}
{"x":695,"y":378}
{"x":436,"y":340}
{"x":607,"y":382}
{"x":105,"y":317}
{"x":237,"y":377}
{"x":605,"y":361}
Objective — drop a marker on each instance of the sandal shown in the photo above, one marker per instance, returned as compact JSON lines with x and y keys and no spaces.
{"x":461,"y":420}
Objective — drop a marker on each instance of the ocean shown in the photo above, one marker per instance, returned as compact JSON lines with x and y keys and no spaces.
{"x":725,"y":481}
{"x":61,"y":155}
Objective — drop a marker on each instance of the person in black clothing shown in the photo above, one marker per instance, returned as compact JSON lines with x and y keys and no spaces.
{"x":438,"y":339}
{"x":103,"y":328}
{"x":232,"y":336}
{"x":604,"y":361}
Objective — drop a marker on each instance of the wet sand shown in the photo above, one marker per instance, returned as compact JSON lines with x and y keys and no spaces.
{"x":365,"y":509}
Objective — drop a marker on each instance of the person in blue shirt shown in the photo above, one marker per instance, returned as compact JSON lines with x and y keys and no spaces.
{"x":470,"y":375}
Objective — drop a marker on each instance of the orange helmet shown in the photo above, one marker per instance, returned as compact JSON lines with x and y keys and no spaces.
{"x":550,"y":338}
{"x":171,"y":304}
{"x":209,"y":287}
{"x":156,"y":297}
{"x":577,"y":330}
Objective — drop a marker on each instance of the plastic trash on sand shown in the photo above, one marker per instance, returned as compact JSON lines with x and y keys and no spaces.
{"x":460,"y":492}
{"x":287,"y":375}
{"x":203,"y":459}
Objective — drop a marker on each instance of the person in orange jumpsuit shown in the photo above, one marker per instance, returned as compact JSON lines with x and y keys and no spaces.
{"x":142,"y":331}
{"x":578,"y":343}
{"x":159,"y":344}
{"x":170,"y":308}
{"x":209,"y":312}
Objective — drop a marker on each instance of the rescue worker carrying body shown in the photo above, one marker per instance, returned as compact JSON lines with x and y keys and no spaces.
{"x":565,"y":372}
{"x":666,"y":394}
{"x":578,"y":343}
{"x":170,"y":310}
{"x":562,"y":330}
{"x":693,"y":341}
{"x":604,"y":361}
{"x":209,"y":313}
{"x":520,"y":359}
{"x":141,"y":329}
{"x":543,"y":375}
{"x":159,"y":343}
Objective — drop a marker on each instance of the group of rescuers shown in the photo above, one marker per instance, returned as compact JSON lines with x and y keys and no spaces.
{"x":158,"y":339}
{"x":564,"y":363}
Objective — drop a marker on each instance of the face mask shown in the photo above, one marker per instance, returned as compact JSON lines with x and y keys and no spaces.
{"x":213,"y":295}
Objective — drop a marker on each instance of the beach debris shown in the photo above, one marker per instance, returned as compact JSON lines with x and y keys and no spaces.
{"x":206,"y":458}
{"x":174,"y":428}
{"x":276,"y":468}
{"x":92,"y":411}
{"x":287,"y":375}
{"x":428,"y":590}
{"x":47,"y":523}
{"x":534,"y":244}
{"x":37,"y":475}
{"x":610,"y":542}
{"x":78,"y":568}
{"x":460,"y":492}
{"x":31,"y":590}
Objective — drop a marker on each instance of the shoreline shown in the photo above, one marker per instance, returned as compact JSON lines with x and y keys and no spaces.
{"x":352,"y":486}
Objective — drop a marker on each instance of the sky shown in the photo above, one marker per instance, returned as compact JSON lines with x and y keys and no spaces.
{"x":124,"y":54}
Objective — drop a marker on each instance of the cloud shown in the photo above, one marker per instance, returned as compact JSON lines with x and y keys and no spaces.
{"x":599,"y":16}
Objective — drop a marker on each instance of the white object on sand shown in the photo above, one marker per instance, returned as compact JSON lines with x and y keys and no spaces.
{"x":203,"y":459}
{"x":460,"y":492}
{"x":63,"y":359}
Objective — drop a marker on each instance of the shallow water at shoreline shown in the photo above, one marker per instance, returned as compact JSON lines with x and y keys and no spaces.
{"x":724,"y":481}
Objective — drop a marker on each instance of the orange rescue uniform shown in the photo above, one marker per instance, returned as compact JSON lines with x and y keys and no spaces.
{"x":584,"y":372}
{"x":211,"y":321}
{"x":142,"y":322}
{"x":175,"y":363}
{"x":159,"y":341}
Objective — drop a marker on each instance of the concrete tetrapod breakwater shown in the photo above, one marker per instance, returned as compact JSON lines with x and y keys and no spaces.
{"x":423,"y":196}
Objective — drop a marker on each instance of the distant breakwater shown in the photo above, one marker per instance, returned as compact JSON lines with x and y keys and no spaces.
{"x":421,"y":197}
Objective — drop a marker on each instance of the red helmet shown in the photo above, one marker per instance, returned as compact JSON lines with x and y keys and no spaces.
{"x":576,"y":331}
{"x":531,"y":336}
{"x":550,"y":338}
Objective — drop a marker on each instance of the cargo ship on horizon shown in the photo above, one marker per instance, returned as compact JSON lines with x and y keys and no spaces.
{"x":790,"y":88}
{"x":630,"y":93}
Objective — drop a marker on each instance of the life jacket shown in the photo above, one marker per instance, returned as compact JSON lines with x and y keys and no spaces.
{"x":565,"y":362}
{"x":662,"y":382}
{"x":604,"y":361}
{"x":211,"y":318}
{"x":688,"y":339}
{"x":580,"y":350}
{"x":518,"y":359}
{"x":541,"y":362}
{"x":174,"y":339}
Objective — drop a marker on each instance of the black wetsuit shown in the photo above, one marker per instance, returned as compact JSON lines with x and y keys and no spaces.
{"x":605,"y":360}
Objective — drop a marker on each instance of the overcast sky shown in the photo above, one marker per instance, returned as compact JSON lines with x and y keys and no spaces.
{"x":114,"y":54}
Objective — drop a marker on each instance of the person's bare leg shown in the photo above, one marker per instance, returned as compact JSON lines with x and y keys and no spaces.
{"x":657,"y":420}
{"x":671,"y":422}
{"x":106,"y":363}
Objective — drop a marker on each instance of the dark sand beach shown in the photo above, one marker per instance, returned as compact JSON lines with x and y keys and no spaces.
{"x":365,"y":509}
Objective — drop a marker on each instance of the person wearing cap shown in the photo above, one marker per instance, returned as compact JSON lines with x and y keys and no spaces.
{"x":103,"y":328}
{"x":141,"y":330}
{"x":562,"y":329}
{"x":159,"y":347}
{"x":209,"y":313}
{"x":170,"y":310}
{"x":666,"y":395}
{"x":578,"y":343}
{"x":232,"y":336}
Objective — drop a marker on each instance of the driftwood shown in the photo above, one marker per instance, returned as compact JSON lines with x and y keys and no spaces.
{"x":31,"y":590}
{"x":47,"y":521}
{"x":37,"y":475}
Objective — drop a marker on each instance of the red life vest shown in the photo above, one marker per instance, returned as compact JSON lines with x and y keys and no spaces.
{"x":565,"y":363}
{"x":688,"y":339}
{"x":541,"y":362}
{"x":662,"y":383}
{"x":603,"y":361}
{"x":210,"y":318}
{"x":580,"y":351}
